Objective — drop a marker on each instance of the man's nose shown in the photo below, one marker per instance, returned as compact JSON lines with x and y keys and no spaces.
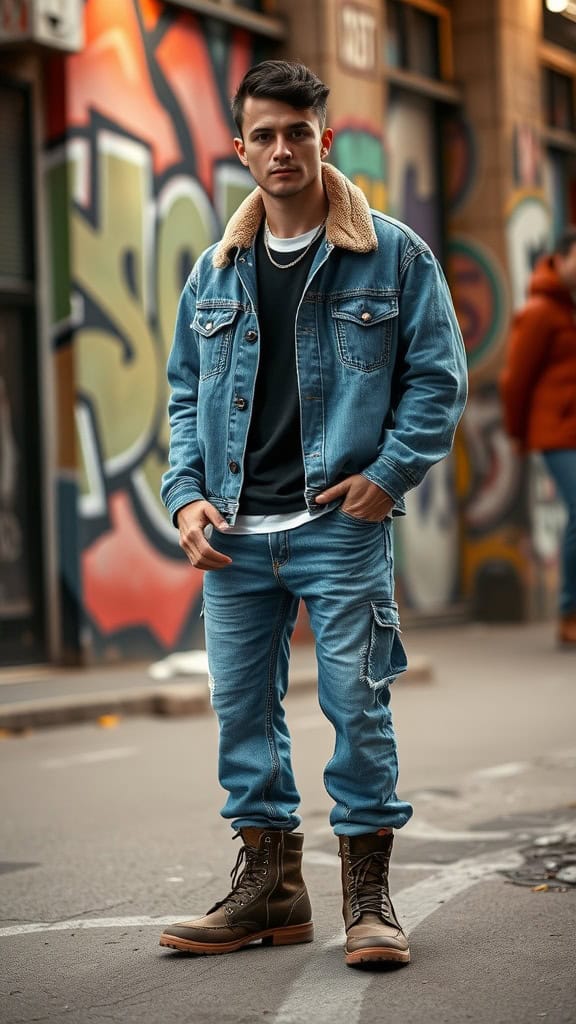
{"x":282,"y":150}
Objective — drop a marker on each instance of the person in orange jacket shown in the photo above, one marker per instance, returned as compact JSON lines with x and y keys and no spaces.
{"x":538,"y":387}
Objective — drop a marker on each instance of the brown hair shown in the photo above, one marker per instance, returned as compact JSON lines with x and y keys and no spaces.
{"x":284,"y":80}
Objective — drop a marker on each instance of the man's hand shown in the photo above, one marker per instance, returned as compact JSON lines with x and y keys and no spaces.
{"x":192,"y":519}
{"x":362,"y":498}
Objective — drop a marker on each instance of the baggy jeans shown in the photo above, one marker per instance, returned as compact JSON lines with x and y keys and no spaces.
{"x":342,"y":568}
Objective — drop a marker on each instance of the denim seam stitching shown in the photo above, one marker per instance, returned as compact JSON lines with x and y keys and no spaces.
{"x":272,"y":667}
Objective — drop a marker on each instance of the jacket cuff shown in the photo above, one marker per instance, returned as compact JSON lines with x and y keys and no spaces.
{"x":391,"y":479}
{"x":179,"y":497}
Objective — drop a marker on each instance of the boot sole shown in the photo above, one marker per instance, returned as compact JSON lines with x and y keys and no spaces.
{"x":377,"y":954}
{"x":288,"y":936}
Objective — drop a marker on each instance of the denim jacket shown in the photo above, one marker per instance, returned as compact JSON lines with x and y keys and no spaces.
{"x":379,"y":354}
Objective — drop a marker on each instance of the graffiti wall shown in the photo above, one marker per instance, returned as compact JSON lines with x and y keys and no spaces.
{"x":489,"y":283}
{"x":427,"y":542}
{"x":140,"y":176}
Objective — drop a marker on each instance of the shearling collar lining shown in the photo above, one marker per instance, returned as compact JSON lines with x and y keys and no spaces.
{"x":348,"y":226}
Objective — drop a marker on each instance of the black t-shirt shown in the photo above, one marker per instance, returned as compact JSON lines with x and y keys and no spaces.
{"x":273,"y":464}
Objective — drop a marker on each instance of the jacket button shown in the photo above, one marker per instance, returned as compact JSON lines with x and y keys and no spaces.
{"x":366,"y":316}
{"x":233,"y":467}
{"x":241,"y":403}
{"x":251,"y":336}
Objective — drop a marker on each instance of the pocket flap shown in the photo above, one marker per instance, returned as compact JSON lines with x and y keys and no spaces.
{"x":209,"y":321}
{"x":366,"y":310}
{"x":386,"y":613}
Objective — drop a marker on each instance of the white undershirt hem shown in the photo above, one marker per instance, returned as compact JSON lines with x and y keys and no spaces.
{"x":273,"y":523}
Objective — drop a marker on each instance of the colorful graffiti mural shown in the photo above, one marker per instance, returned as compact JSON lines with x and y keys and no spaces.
{"x":427,"y":541}
{"x":528,"y":230}
{"x":140,"y":175}
{"x":495,"y":485}
{"x":480,"y":298}
{"x":358,"y":150}
{"x":492,"y":484}
{"x":415,"y":188}
{"x":460,"y":161}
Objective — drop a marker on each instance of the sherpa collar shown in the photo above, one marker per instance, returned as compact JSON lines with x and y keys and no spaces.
{"x":348,"y":226}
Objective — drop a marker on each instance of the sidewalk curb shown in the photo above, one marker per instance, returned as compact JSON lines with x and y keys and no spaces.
{"x":170,"y":699}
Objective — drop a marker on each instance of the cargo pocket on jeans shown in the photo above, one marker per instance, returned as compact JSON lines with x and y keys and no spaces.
{"x":385,"y":654}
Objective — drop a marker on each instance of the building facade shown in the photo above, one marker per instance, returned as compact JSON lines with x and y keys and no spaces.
{"x":118,"y":169}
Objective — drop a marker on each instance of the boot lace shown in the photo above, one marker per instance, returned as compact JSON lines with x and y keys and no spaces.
{"x":248,"y":876}
{"x":368,"y":888}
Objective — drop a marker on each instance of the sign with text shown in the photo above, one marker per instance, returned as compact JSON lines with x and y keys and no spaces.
{"x":357,"y":34}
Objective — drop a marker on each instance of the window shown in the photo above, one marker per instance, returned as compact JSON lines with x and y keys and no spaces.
{"x":413,"y":39}
{"x":558,"y":96}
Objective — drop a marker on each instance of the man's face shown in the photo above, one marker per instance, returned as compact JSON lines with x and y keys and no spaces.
{"x":566,"y":267}
{"x":282,"y":147}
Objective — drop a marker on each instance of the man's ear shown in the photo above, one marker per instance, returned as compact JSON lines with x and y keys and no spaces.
{"x":241,"y":151}
{"x":326,"y":142}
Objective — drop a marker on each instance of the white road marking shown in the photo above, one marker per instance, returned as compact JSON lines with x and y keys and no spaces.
{"x":414,"y":905}
{"x":81,"y":923}
{"x":90,"y":757}
{"x":503,"y":771}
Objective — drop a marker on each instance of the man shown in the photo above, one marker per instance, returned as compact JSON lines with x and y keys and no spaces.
{"x":539,"y":394}
{"x":317,"y":372}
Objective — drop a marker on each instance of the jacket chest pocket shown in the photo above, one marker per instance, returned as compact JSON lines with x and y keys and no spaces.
{"x":215,"y":328}
{"x":364,"y":325}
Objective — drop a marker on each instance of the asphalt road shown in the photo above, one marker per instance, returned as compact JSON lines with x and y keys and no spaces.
{"x":108,"y":834}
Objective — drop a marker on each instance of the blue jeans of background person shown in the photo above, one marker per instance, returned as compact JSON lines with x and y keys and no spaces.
{"x":342,"y":568}
{"x":561,"y":464}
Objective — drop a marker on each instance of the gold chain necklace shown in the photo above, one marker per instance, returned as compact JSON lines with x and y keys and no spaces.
{"x":286,"y":266}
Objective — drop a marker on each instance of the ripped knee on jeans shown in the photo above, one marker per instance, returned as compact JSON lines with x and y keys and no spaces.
{"x":385,"y":657}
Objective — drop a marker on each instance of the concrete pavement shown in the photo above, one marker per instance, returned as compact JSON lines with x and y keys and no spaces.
{"x":110,"y":834}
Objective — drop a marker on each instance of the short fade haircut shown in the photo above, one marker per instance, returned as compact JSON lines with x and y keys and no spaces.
{"x":283,"y":80}
{"x":565,"y":242}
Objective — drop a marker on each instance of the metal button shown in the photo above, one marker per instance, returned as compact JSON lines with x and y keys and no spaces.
{"x":241,"y":403}
{"x":251,"y":336}
{"x":366,"y":316}
{"x":209,"y":325}
{"x":233,"y":467}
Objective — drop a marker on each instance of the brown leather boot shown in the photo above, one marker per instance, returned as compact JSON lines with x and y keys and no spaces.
{"x":567,"y":631}
{"x":372,"y":929}
{"x":268,"y":900}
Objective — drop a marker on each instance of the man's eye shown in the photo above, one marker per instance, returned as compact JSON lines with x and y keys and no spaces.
{"x":262,"y":137}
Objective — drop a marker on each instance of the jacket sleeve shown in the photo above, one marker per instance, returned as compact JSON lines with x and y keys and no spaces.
{"x":526,"y":352}
{"x":430,"y":381}
{"x":184,"y":480}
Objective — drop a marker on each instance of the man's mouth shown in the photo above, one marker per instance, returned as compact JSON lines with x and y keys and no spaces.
{"x":284,"y":170}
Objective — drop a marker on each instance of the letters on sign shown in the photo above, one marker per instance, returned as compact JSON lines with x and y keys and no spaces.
{"x":357,"y":37}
